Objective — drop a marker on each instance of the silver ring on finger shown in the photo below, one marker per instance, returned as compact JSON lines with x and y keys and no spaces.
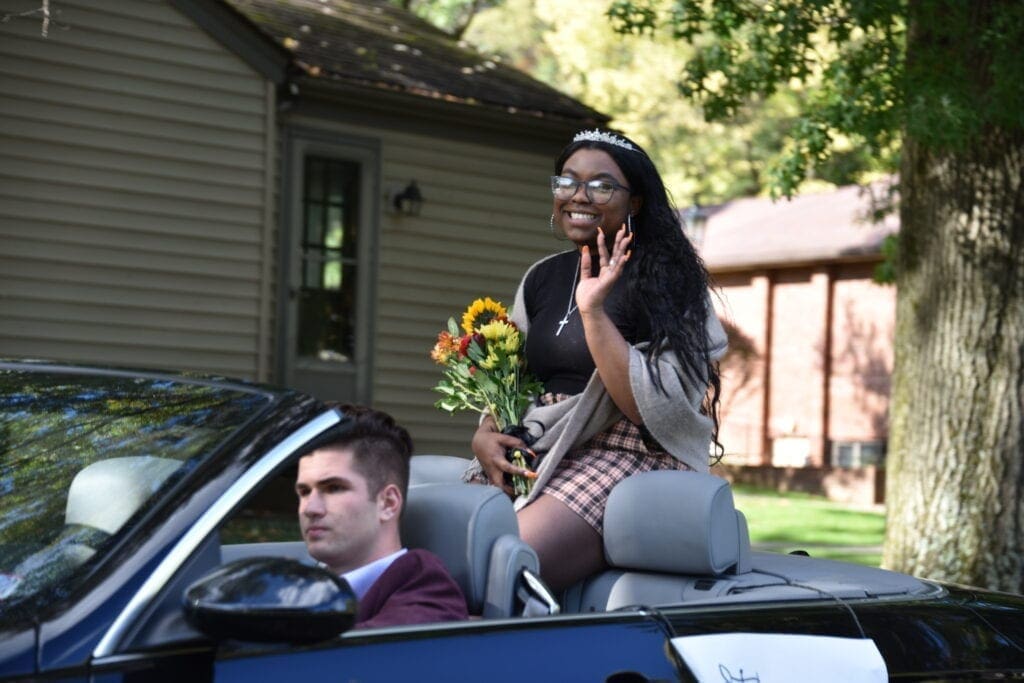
{"x":611,"y":262}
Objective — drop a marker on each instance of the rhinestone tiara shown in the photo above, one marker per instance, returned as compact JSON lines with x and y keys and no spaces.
{"x":603,"y":136}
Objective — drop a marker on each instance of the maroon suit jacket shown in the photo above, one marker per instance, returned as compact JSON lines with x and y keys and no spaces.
{"x":415,"y":589}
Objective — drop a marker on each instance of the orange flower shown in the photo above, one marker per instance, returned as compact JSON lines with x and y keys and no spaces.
{"x":445,"y":348}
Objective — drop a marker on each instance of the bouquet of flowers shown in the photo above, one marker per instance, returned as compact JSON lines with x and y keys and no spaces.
{"x":485,"y":370}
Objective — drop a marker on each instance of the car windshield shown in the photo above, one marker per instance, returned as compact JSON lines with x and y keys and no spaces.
{"x":81,"y":455}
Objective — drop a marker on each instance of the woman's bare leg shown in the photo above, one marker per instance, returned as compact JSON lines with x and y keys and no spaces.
{"x":568,"y":547}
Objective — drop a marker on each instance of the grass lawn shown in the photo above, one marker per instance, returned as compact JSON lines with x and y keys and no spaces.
{"x":783,"y":522}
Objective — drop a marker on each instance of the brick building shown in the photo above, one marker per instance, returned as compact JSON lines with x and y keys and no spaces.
{"x":806,"y":387}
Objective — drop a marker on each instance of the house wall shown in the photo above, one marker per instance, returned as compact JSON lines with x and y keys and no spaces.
{"x":745,"y":301}
{"x":140,"y":166}
{"x":823,"y":338}
{"x":484,"y":221}
{"x":863,"y":324}
{"x":796,"y":367}
{"x":134,"y":205}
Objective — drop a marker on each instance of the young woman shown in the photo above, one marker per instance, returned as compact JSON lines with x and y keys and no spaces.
{"x":622,"y":334}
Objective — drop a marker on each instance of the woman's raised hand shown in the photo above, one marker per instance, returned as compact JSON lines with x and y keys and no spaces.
{"x":593,"y":289}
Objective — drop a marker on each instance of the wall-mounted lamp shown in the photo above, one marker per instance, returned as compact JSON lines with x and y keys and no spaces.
{"x":695,"y":223}
{"x":409,"y":201}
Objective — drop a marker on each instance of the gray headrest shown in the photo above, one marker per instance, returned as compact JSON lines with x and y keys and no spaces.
{"x":106,"y":493}
{"x":459,"y":523}
{"x":436,"y":469}
{"x":676,"y":522}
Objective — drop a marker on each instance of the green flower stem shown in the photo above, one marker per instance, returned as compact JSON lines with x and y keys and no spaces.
{"x":520,"y":485}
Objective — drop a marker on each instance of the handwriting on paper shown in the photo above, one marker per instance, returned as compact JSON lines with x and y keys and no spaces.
{"x":729,"y":677}
{"x":780,"y":657}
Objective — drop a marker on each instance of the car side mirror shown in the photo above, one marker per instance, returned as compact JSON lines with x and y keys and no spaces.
{"x":270,"y":599}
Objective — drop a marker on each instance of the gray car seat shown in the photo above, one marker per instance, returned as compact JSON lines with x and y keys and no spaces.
{"x":436,"y":469}
{"x":474,"y":530}
{"x":664,"y":532}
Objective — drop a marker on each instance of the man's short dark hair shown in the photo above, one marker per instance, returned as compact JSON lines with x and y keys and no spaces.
{"x":380,"y":448}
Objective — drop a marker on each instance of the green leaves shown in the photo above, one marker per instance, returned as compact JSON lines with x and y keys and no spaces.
{"x":845,"y":56}
{"x":885,"y":272}
{"x":850,"y":59}
{"x":633,"y":17}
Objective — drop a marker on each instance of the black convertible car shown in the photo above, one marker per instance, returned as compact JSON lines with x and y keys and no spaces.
{"x":148,"y":533}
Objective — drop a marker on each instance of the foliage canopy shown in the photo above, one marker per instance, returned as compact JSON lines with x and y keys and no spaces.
{"x":851,"y":54}
{"x":634,"y":78}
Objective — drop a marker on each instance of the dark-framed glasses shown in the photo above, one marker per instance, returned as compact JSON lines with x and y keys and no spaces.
{"x":597,"y":191}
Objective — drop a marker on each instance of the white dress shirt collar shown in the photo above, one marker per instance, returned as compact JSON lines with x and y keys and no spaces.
{"x":361,"y":578}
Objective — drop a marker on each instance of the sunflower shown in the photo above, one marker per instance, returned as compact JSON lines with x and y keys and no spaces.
{"x":481,"y":312}
{"x":502,"y":333}
{"x":491,"y":361}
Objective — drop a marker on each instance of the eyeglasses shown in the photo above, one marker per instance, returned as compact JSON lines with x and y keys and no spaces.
{"x":597,"y":191}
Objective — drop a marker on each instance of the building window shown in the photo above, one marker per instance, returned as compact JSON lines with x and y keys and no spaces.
{"x":852,"y":454}
{"x":327,"y":293}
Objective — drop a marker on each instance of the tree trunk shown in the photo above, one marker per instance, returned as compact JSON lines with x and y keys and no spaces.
{"x":955,"y":488}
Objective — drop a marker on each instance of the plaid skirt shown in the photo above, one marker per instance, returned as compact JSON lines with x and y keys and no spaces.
{"x":588,"y":473}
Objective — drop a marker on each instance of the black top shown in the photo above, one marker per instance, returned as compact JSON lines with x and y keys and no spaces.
{"x":562,"y":362}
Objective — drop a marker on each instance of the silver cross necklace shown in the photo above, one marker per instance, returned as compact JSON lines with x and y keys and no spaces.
{"x":572,"y":303}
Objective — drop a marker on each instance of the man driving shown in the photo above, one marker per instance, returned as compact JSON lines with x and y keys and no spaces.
{"x":351,"y":494}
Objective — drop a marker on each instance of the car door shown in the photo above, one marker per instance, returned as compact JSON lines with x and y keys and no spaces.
{"x":147,"y":638}
{"x":618,"y":647}
{"x":151,"y":640}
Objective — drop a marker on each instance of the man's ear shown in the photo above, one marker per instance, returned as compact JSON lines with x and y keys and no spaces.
{"x":389,"y":502}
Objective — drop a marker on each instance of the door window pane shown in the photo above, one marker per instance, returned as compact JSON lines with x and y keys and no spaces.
{"x":331,"y":205}
{"x":322,"y":271}
{"x":327,"y":295}
{"x":327,"y":321}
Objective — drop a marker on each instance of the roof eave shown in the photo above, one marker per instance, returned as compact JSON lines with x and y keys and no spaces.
{"x":740,"y":264}
{"x":235,"y":32}
{"x":440,"y":107}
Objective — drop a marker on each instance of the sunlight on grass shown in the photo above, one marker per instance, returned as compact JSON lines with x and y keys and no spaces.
{"x":788,"y":521}
{"x":867,"y":559}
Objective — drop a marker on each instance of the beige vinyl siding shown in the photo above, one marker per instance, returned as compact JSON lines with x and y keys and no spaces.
{"x":133,"y":192}
{"x":484,"y":221}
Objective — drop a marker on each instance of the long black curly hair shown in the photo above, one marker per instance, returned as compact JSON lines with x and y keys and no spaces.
{"x":667,"y":278}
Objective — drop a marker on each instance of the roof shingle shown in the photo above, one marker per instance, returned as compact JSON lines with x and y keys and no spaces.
{"x":376,"y":44}
{"x":831,"y":226}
